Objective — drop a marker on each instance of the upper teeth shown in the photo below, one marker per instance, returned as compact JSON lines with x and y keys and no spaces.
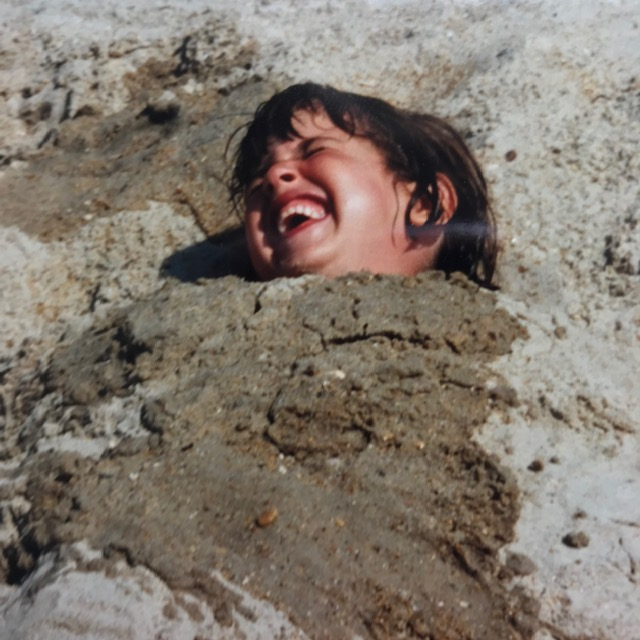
{"x":299,"y":209}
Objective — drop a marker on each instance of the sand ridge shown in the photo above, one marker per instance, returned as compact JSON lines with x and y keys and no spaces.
{"x":113,"y":126}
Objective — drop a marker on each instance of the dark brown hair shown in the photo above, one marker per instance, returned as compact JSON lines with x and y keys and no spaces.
{"x":416,"y":146}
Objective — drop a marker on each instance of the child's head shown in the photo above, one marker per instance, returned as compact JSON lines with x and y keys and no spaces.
{"x":333,"y":182}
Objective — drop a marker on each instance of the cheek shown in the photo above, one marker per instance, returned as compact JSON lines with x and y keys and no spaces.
{"x":259,"y":252}
{"x":375,"y":203}
{"x":253,"y":233}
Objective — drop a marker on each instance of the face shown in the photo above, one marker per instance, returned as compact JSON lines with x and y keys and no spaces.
{"x":325,"y":203}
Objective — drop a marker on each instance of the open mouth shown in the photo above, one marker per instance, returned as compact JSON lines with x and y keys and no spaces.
{"x":294,"y":217}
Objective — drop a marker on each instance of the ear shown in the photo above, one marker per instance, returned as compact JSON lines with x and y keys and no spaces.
{"x":421,"y":211}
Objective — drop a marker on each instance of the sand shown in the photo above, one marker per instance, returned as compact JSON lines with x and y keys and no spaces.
{"x":187,"y":454}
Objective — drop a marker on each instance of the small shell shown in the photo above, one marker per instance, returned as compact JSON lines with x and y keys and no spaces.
{"x":267,"y":517}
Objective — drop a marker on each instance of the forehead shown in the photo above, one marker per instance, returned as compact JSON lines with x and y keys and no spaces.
{"x":310,"y":124}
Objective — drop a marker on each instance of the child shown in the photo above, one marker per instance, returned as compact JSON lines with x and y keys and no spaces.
{"x":333,"y":182}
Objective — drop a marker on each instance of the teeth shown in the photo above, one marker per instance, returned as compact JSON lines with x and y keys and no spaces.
{"x":313,"y":213}
{"x":309,"y":212}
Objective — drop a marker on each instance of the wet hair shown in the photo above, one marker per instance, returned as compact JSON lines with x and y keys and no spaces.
{"x":415,"y":146}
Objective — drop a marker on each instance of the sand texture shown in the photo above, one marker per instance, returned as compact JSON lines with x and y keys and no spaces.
{"x":185,"y":453}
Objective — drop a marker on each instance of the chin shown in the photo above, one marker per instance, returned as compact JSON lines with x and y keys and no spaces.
{"x":293,"y":268}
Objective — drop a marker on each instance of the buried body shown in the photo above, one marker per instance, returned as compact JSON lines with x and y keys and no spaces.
{"x":344,"y":407}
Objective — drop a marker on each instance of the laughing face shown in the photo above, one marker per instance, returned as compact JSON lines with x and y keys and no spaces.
{"x":324,"y":202}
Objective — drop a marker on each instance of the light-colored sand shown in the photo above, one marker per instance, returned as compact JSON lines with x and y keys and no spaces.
{"x":556,"y":84}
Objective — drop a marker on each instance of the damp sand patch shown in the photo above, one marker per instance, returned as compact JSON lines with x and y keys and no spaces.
{"x":309,"y":439}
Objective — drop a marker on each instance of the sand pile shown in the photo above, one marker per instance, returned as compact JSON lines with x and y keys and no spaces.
{"x":188,"y":454}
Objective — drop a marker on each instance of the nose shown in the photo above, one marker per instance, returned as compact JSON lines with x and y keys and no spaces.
{"x":281,"y":173}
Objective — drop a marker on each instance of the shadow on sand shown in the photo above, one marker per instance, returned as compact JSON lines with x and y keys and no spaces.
{"x":224,"y":254}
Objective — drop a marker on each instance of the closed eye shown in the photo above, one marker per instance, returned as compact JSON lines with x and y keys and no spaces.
{"x":312,"y":151}
{"x":312,"y":146}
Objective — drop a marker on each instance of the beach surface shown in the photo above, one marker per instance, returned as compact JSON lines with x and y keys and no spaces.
{"x":188,"y":454}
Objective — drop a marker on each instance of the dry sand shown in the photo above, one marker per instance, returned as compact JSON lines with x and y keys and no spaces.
{"x":104,"y":219}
